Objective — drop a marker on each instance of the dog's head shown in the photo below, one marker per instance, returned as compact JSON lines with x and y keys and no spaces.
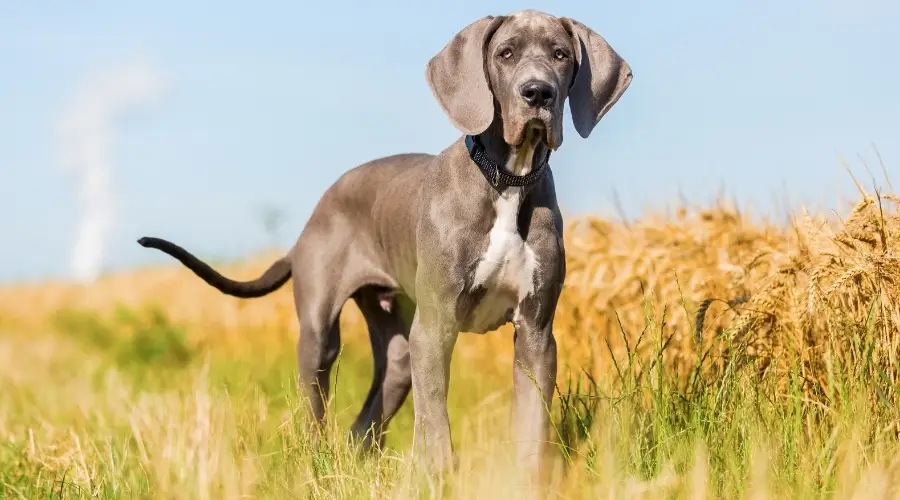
{"x":522,"y":68}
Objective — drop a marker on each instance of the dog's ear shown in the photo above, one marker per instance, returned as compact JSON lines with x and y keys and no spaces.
{"x":601,"y":77}
{"x":458,"y":78}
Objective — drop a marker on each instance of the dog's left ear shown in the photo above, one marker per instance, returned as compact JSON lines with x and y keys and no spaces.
{"x":458,"y":78}
{"x":601,"y":77}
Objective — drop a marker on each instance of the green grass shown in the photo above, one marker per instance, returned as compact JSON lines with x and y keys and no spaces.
{"x":126,"y":407}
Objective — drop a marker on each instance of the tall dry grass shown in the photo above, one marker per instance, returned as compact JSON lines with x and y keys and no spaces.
{"x":784,"y":276}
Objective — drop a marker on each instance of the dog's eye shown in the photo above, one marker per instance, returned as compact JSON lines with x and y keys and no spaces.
{"x":506,"y":54}
{"x":559,"y":54}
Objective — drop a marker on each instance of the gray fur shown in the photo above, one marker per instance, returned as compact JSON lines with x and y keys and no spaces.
{"x":428,"y":248}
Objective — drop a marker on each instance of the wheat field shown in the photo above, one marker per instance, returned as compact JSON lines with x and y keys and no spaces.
{"x":703,"y":354}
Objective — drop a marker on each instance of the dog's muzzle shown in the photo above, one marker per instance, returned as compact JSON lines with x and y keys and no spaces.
{"x":538,"y":94}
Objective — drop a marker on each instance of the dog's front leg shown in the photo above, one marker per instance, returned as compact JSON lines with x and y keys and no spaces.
{"x":534,"y":378}
{"x":431,"y":342}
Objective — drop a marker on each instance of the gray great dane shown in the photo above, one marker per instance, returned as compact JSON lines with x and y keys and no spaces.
{"x":463,"y":241}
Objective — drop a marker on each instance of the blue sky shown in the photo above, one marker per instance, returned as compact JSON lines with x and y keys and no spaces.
{"x":269,"y":103}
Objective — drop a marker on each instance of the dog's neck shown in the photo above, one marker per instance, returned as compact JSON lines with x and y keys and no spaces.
{"x":516,"y":160}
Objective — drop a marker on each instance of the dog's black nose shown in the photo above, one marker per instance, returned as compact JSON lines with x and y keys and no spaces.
{"x":538,"y":94}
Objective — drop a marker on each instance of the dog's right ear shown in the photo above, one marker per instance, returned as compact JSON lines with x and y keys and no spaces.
{"x":458,"y":79}
{"x":601,"y":78}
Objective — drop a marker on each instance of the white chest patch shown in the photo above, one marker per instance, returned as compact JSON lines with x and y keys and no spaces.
{"x":507,"y":268}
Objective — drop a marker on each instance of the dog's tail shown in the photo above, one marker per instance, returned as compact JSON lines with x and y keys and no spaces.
{"x":275,"y":276}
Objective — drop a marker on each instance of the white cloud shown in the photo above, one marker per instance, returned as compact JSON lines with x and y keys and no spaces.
{"x":86,"y":135}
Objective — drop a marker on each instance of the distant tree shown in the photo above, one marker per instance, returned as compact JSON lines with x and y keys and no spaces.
{"x":271,"y":217}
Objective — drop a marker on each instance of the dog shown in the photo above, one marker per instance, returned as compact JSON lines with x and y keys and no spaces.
{"x":462,"y":241}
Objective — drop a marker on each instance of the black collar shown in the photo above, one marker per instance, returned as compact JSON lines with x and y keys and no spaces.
{"x":496,"y":174}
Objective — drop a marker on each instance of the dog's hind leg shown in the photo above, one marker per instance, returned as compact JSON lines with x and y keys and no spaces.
{"x":374,"y":323}
{"x":317,"y":350}
{"x":318,"y":311}
{"x":396,"y":386}
{"x":391,"y":378}
{"x":334,"y":258}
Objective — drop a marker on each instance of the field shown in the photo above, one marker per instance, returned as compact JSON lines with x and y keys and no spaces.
{"x":149,"y":384}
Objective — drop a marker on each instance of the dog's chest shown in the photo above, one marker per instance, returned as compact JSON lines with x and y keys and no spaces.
{"x":505,"y":273}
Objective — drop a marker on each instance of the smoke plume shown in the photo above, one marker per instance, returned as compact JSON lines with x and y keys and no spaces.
{"x":86,"y":135}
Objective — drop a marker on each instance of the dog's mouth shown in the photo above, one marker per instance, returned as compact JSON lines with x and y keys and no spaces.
{"x":532,"y":131}
{"x":535,"y":132}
